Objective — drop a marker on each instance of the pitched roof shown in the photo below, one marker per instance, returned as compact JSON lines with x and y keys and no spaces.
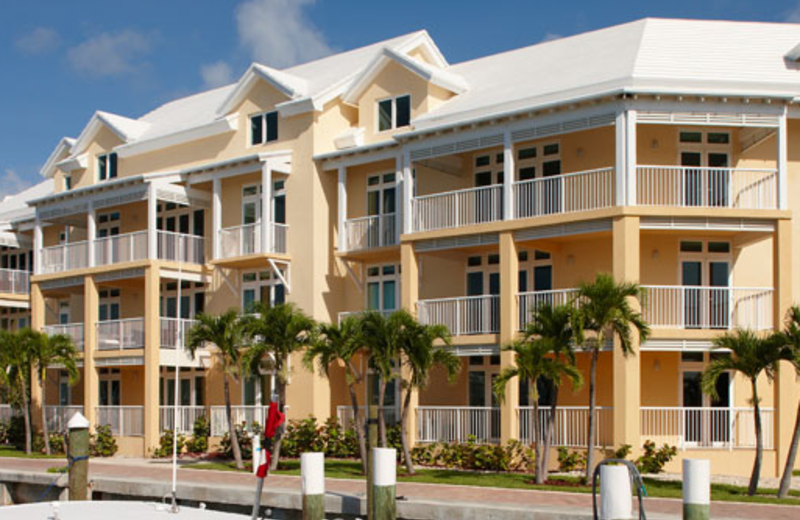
{"x":15,"y":207}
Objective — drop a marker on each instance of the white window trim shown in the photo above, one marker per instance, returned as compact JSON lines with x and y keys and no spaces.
{"x":393,"y":99}
{"x":538,"y":161}
{"x":380,"y":279}
{"x":108,"y":166}
{"x":486,"y":268}
{"x":705,"y":257}
{"x":704,"y":147}
{"x":264,"y":141}
{"x":494,"y":167}
{"x":380,"y":187}
{"x":258,"y":283}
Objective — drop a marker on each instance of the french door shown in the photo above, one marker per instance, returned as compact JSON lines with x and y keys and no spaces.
{"x":704,"y":185}
{"x":706,"y":421}
{"x":708,"y":306}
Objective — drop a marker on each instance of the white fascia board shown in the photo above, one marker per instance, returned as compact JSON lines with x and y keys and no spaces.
{"x":12,"y":239}
{"x":297,"y":107}
{"x":290,"y":86}
{"x":16,"y":304}
{"x":351,"y":138}
{"x":63,"y":147}
{"x":100,"y":119}
{"x":73,"y":163}
{"x":429,"y":48}
{"x":217,"y":127}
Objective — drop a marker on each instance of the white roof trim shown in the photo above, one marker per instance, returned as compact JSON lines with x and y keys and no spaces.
{"x":126,"y":129}
{"x":290,"y":86}
{"x":440,"y":77}
{"x":12,"y":239}
{"x":429,"y":48}
{"x":220,"y":126}
{"x":793,"y":54}
{"x":62,"y":148}
{"x":79,"y":162}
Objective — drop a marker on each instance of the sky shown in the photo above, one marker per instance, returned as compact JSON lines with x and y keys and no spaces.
{"x":62,"y":60}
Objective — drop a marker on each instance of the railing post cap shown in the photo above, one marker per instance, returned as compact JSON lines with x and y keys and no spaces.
{"x":78,"y":422}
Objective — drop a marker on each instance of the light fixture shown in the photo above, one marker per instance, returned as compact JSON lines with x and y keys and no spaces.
{"x":654,"y":144}
{"x":655,"y":254}
{"x":570,"y":259}
{"x":656,"y":365}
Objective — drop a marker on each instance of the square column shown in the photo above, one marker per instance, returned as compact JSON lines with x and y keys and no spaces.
{"x":626,"y":392}
{"x":152,"y":215}
{"x":509,"y":173}
{"x":783,"y":162}
{"x":152,"y":351}
{"x":785,"y":385}
{"x":91,"y":389}
{"x":400,"y":180}
{"x":509,"y":286}
{"x":409,"y":295}
{"x":38,"y":244}
{"x":342,"y":208}
{"x":216,"y":217}
{"x":266,"y":208}
{"x":91,"y":233}
{"x":37,"y":322}
{"x":408,"y":193}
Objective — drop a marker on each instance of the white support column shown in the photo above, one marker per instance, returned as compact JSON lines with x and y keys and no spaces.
{"x":620,"y":173}
{"x":266,"y":207}
{"x":408,"y":192}
{"x":342,"y":208}
{"x":37,"y":245}
{"x":630,"y":157}
{"x":91,"y":233}
{"x":783,"y":163}
{"x":508,"y":176}
{"x":152,"y":215}
{"x":216,"y":217}
{"x":400,"y":182}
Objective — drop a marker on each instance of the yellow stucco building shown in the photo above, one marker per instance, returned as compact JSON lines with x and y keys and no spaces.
{"x":665,"y":152}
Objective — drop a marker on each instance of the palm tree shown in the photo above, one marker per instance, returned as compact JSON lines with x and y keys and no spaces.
{"x":17,"y":364}
{"x":380,"y":334}
{"x":57,"y":349}
{"x":419,"y":356}
{"x":790,"y":338}
{"x":751,"y":356}
{"x":556,"y":325}
{"x":342,"y":344}
{"x":605,"y":309}
{"x":277,"y":332}
{"x":226,"y":333}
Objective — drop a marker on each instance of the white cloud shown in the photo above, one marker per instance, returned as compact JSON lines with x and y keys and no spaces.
{"x":11,"y":183}
{"x":41,"y":40}
{"x":551,"y":36}
{"x":110,"y":54}
{"x":216,"y":74}
{"x":278,"y":34}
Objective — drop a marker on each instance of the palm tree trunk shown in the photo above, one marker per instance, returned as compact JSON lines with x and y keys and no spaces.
{"x":537,"y":438}
{"x":26,"y":413}
{"x":786,"y":479}
{"x":45,"y":433}
{"x":592,"y":404}
{"x":276,"y":443}
{"x":404,"y":431}
{"x":381,"y":417}
{"x":751,"y":490}
{"x":237,"y":451}
{"x":359,"y":426}
{"x":551,"y":426}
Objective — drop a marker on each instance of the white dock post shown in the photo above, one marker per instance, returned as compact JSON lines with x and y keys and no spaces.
{"x":615,"y":493}
{"x":696,"y":489}
{"x":384,"y":483}
{"x":312,"y":472}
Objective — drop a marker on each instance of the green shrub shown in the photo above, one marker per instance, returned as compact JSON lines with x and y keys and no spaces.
{"x":57,"y":443}
{"x":513,"y":456}
{"x":16,"y":432}
{"x":569,"y":461}
{"x":622,"y":452}
{"x":198,"y":443}
{"x":303,"y":436}
{"x":165,"y":444}
{"x":654,"y":459}
{"x":4,"y":432}
{"x":245,"y":441}
{"x":102,"y":442}
{"x":342,"y":443}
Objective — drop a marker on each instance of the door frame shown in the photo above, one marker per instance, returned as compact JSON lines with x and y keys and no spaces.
{"x":700,"y":366}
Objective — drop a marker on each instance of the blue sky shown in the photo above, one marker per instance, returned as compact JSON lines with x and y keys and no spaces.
{"x":60,"y":61}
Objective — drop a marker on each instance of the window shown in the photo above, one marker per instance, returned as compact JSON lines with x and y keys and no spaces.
{"x":107,"y":166}
{"x":108,"y":224}
{"x":262,"y":286}
{"x":383,"y":285}
{"x":67,"y":182}
{"x":264,"y":128}
{"x":394,"y":113}
{"x":532,"y":164}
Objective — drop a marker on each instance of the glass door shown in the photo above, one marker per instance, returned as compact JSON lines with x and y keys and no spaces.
{"x":693,"y":401}
{"x":718,"y":305}
{"x":692,"y":276}
{"x":381,"y":204}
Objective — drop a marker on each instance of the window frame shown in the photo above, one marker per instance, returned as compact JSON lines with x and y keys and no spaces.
{"x":264,"y":128}
{"x":538,"y":161}
{"x":381,"y":278}
{"x":104,"y":174}
{"x":393,"y":125}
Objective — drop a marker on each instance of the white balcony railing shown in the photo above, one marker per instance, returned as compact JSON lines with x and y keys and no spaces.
{"x":73,"y":330}
{"x":125,"y":421}
{"x":174,"y":328}
{"x":457,"y":208}
{"x":464,"y":315}
{"x":187,"y":415}
{"x":241,"y":415}
{"x":246,"y":240}
{"x":347,"y":314}
{"x":571,"y":425}
{"x":579,"y":191}
{"x":345,"y":415}
{"x":371,"y":232}
{"x":528,"y":302}
{"x":6,"y":413}
{"x":14,"y":281}
{"x":120,"y":334}
{"x":64,"y":257}
{"x":58,"y":416}
{"x":705,"y":428}
{"x":458,"y":424}
{"x":708,"y":187}
{"x":116,"y":249}
{"x":180,"y":247}
{"x":696,"y":307}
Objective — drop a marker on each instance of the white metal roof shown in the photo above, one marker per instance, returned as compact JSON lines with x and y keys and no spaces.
{"x":15,"y":207}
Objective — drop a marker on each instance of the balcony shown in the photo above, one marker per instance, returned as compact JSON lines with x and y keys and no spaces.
{"x":528,"y":302}
{"x":694,"y":307}
{"x":125,"y":421}
{"x":240,"y":414}
{"x":174,"y":329}
{"x":705,"y":428}
{"x":58,"y":416}
{"x":344,"y":414}
{"x":690,"y":187}
{"x":120,"y":334}
{"x":457,"y":208}
{"x":465,"y":315}
{"x":187,"y":415}
{"x":14,"y":281}
{"x":65,"y":257}
{"x":129,"y":247}
{"x":180,"y":247}
{"x":247,"y":240}
{"x":371,"y":232}
{"x":580,"y":191}
{"x":73,"y":330}
{"x":458,"y":424}
{"x":571,"y":425}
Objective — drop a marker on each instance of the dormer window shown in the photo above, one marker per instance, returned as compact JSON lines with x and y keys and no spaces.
{"x":394,"y":113}
{"x":264,"y":128}
{"x":107,"y":166}
{"x":67,"y":182}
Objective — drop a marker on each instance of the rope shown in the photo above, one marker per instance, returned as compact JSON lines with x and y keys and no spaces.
{"x":72,"y":460}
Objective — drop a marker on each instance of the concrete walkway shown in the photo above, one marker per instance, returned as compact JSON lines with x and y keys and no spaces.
{"x":580,"y":504}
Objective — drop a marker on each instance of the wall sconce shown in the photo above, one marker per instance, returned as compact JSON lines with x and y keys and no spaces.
{"x":655,"y":254}
{"x":580,"y":152}
{"x":654,"y":144}
{"x":570,"y":259}
{"x":656,"y":365}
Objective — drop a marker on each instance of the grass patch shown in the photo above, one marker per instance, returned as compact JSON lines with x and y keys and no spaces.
{"x":348,"y":469}
{"x":796,"y":473}
{"x":10,"y":451}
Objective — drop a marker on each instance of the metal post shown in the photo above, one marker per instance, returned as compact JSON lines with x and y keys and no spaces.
{"x":78,"y":457}
{"x":312,"y":471}
{"x":384,"y":483}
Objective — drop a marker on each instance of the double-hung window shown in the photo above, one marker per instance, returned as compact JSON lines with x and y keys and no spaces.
{"x":264,"y":128}
{"x":107,"y":166}
{"x":394,"y":113}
